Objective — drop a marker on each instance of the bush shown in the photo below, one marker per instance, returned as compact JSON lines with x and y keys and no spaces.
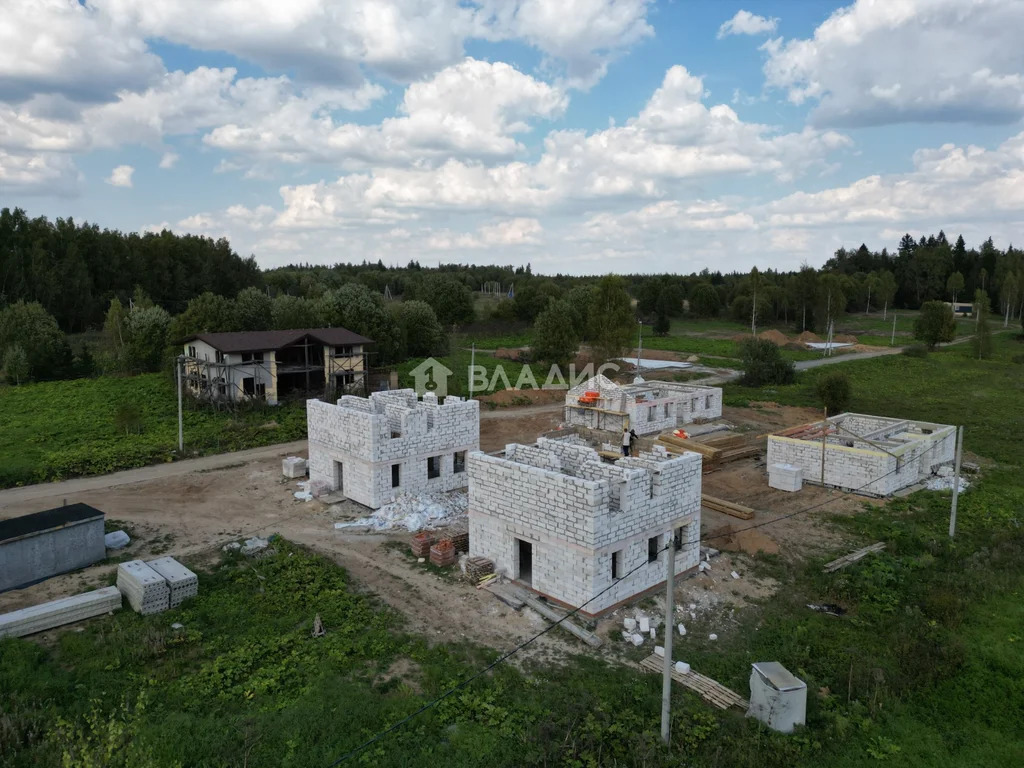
{"x":834,"y":391}
{"x":917,"y":350}
{"x":763,"y":364}
{"x":935,"y":323}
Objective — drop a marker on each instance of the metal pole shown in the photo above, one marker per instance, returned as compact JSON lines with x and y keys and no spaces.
{"x":181,"y":434}
{"x":640,"y":346}
{"x":666,"y":683}
{"x":892,"y":341}
{"x":956,"y":481}
{"x":824,"y":443}
{"x":472,"y":365}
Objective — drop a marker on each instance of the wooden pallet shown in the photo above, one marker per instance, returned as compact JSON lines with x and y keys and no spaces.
{"x":853,"y":557}
{"x":714,"y":693}
{"x":728,"y":507}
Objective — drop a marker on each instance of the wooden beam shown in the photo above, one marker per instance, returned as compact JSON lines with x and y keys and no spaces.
{"x":853,"y":557}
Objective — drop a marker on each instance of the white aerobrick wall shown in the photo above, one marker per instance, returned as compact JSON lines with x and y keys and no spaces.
{"x":647,"y":408}
{"x":576,"y":513}
{"x":355,"y":445}
{"x":871,"y":455}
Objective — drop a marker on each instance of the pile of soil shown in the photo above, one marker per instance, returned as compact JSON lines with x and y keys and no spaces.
{"x":517,"y":396}
{"x":808,"y":336}
{"x":655,"y":354}
{"x":750,"y":541}
{"x":775,"y":337}
{"x":510,"y":353}
{"x":844,"y":338}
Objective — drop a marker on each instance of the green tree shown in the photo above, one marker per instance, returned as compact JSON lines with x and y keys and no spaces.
{"x":982,"y":341}
{"x":253,"y":310}
{"x":870,"y":287}
{"x":451,"y":299}
{"x":16,"y":367}
{"x":885,"y":291}
{"x":357,"y":308}
{"x":935,"y":323}
{"x":763,"y":364}
{"x":612,"y":322}
{"x":579,"y":299}
{"x":661,"y":324}
{"x":147,"y":332}
{"x":206,"y":313}
{"x":834,"y":391}
{"x":704,"y":301}
{"x":35,"y":330}
{"x":421,"y":333}
{"x":290,"y":312}
{"x":554,"y":335}
{"x":831,"y":299}
{"x":955,"y":284}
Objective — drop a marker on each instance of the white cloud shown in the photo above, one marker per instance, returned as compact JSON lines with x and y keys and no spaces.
{"x":747,"y":23}
{"x":471,"y":109}
{"x":63,"y":46}
{"x":874,"y":63}
{"x":168,"y":160}
{"x":37,"y":173}
{"x":121,"y":176}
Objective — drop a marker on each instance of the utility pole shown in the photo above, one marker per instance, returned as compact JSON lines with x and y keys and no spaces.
{"x":472,"y":366}
{"x":639,"y":346}
{"x":666,"y":683}
{"x":181,"y":434}
{"x":824,"y":444}
{"x":956,"y":480}
{"x":892,"y":341}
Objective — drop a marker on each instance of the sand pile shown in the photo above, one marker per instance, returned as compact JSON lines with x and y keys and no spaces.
{"x":775,"y":337}
{"x":809,"y":336}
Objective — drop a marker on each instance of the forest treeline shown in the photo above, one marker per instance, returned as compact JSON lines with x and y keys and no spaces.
{"x":150,"y":291}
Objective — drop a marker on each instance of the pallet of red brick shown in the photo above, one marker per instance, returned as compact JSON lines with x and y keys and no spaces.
{"x":443,"y":553}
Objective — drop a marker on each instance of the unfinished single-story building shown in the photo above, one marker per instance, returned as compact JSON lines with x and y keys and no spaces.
{"x":371,"y":449}
{"x":871,"y":455}
{"x":40,"y":545}
{"x":648,"y":407}
{"x":569,"y":526}
{"x":271,"y":365}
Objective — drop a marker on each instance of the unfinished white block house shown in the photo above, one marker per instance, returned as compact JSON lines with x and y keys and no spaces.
{"x":371,"y":449}
{"x":560,"y":521}
{"x":648,"y":408}
{"x":871,"y":455}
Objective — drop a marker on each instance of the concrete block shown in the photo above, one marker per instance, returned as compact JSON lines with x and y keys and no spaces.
{"x":56,"y":613}
{"x":146,"y":590}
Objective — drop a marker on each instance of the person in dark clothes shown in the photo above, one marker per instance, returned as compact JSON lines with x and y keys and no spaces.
{"x":632,"y":442}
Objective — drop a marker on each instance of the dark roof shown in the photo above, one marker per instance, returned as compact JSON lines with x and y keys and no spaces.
{"x":44,"y":521}
{"x":258,"y":341}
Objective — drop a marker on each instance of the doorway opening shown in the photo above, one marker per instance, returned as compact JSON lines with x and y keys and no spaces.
{"x":525,"y":561}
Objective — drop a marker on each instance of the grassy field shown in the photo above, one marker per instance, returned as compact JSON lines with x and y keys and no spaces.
{"x":59,"y":429}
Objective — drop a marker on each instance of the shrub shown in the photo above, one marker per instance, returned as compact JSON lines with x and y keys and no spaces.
{"x":935,"y":323}
{"x":834,"y":391}
{"x":128,"y":417}
{"x":917,"y":350}
{"x":763,"y":364}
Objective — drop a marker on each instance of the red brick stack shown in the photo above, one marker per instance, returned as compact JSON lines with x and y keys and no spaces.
{"x":421,"y":544}
{"x":443,"y":553}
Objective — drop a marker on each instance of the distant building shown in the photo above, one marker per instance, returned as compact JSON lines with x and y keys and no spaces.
{"x":648,"y":407}
{"x":269,"y":365}
{"x":961,"y":308}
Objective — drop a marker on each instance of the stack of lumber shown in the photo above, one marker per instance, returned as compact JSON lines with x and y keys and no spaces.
{"x":712,"y":692}
{"x":853,"y":557}
{"x":715,"y":451}
{"x":59,"y":612}
{"x":478,"y":567}
{"x":461,"y":542}
{"x":182,"y":582}
{"x":728,"y":507}
{"x":146,"y":590}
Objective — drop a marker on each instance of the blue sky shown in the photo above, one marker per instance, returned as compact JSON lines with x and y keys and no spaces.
{"x":577,"y":135}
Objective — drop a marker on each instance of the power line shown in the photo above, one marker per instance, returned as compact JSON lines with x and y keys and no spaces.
{"x":433,"y":703}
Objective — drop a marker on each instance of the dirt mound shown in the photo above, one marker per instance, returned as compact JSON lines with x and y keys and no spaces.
{"x":655,"y":354}
{"x":808,"y":336}
{"x":750,"y":541}
{"x":516,"y":397}
{"x":740,"y":337}
{"x":510,"y":353}
{"x":844,"y":338}
{"x":775,"y":337}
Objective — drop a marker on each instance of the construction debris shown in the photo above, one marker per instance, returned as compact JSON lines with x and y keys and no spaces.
{"x":712,"y":692}
{"x":56,"y":613}
{"x":853,"y":557}
{"x":946,"y":484}
{"x":728,"y":507}
{"x":116,"y":540}
{"x":415,"y":513}
{"x":551,"y":615}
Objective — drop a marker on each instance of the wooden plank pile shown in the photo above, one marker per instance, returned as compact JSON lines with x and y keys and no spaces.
{"x":853,"y":557}
{"x":461,"y":542}
{"x":712,"y":692}
{"x":728,"y":507}
{"x":715,"y":451}
{"x":56,"y":613}
{"x":477,"y":568}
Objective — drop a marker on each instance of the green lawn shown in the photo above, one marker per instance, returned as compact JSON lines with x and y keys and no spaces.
{"x":59,"y":429}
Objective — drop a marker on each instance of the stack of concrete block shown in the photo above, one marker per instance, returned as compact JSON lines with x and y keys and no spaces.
{"x":294,"y":466}
{"x":147,"y":591}
{"x":56,"y":613}
{"x":785,"y":477}
{"x":182,"y":582}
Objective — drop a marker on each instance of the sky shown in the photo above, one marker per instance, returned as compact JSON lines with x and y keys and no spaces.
{"x":579,"y":136}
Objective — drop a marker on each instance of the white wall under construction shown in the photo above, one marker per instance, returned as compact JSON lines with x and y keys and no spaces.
{"x":374,"y":448}
{"x":585,"y":523}
{"x":871,"y":455}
